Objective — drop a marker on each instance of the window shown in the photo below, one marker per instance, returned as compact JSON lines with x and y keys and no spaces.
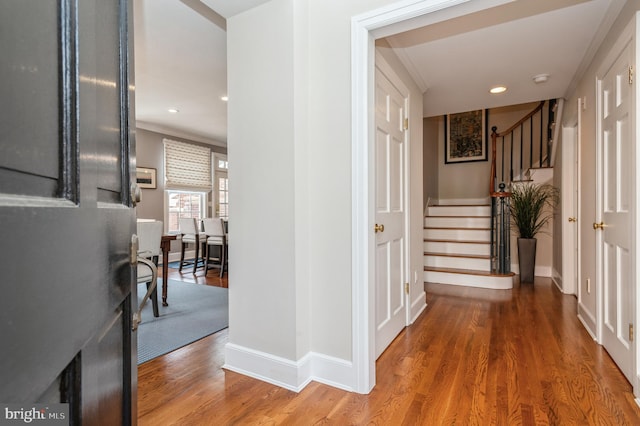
{"x":187,"y":182}
{"x":187,"y":166}
{"x":221,"y":186}
{"x":184,"y":204}
{"x":223,"y":196}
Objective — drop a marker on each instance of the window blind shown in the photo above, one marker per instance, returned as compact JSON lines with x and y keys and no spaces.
{"x":186,"y":166}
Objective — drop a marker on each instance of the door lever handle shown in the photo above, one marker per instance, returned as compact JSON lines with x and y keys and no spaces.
{"x":378,"y":228}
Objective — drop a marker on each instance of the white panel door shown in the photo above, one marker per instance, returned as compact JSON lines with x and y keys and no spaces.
{"x":617,"y":200}
{"x":570,"y":245}
{"x":390,"y":298}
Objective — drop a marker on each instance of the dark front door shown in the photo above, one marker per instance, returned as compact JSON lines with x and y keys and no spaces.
{"x":66,"y":215}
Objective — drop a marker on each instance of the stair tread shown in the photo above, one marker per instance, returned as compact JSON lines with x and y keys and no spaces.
{"x":461,"y":205}
{"x":455,"y":241}
{"x":457,"y":227}
{"x":470,"y":256}
{"x":459,"y":217}
{"x":467,"y":271}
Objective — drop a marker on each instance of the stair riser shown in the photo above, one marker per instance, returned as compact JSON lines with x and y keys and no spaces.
{"x":457,"y":248}
{"x":457,"y":263}
{"x":457,"y":222}
{"x":492,"y":282}
{"x":459,"y":211}
{"x":457,"y":234}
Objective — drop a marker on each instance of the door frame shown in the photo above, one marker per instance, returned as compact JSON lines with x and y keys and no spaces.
{"x":628,"y":35}
{"x":365,"y":28}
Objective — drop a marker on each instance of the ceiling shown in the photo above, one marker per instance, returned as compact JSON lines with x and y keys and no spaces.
{"x":180,"y":58}
{"x":181,"y":63}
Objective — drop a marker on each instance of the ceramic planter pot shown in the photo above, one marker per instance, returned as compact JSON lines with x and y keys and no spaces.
{"x":527,"y":259}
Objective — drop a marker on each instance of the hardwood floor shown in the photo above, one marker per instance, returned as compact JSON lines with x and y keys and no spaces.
{"x":474,"y":357}
{"x":212,"y":278}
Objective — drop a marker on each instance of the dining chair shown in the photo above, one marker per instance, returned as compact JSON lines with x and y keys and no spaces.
{"x":216,"y":238}
{"x":190,"y":234}
{"x":149,"y":236}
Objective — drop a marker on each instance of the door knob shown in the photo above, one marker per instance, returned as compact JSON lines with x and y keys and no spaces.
{"x":136,"y":194}
{"x":573,"y":219}
{"x":378,"y":228}
{"x":598,"y":225}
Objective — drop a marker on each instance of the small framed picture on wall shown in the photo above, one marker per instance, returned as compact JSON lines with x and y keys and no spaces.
{"x":466,"y":136}
{"x":146,"y":177}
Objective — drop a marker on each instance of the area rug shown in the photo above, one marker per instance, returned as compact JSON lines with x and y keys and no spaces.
{"x":195,"y":311}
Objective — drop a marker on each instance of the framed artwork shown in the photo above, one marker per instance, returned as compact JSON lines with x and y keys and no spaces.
{"x":146,"y":177}
{"x":465,"y":137}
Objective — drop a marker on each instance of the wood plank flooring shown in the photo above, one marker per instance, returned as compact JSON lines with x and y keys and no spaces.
{"x":474,"y":357}
{"x":212,"y":278}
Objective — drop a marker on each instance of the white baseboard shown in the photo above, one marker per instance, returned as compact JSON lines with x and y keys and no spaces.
{"x":557,"y":279}
{"x":540,"y":271}
{"x":587,"y":320}
{"x":292,"y":375}
{"x":418,"y":306}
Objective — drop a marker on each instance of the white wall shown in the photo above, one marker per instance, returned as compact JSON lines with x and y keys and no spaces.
{"x":262,"y":176}
{"x":289,"y":149}
{"x":431,"y":142}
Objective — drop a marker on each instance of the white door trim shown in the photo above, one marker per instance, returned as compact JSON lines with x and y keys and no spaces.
{"x":364,"y":29}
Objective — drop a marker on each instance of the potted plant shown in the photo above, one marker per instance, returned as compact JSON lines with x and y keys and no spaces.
{"x":529,"y":216}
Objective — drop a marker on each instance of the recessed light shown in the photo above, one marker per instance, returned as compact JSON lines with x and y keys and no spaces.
{"x":224,"y":98}
{"x":173,"y":110}
{"x":498,"y":89}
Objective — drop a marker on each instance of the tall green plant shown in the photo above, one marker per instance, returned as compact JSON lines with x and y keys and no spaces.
{"x":527,"y":207}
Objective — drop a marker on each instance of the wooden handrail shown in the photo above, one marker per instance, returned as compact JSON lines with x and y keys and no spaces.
{"x":497,"y":194}
{"x":494,"y":137}
{"x":522,"y":120}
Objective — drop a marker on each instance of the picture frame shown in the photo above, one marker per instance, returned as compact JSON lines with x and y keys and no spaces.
{"x":146,"y":177}
{"x":466,"y":136}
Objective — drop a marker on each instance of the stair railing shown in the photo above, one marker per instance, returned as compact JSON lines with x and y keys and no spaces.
{"x":521,"y":147}
{"x":500,"y":231}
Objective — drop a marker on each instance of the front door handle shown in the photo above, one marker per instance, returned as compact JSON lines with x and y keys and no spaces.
{"x":136,"y":194}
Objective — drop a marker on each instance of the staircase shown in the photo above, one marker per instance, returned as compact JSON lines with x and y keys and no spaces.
{"x":457,"y":247}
